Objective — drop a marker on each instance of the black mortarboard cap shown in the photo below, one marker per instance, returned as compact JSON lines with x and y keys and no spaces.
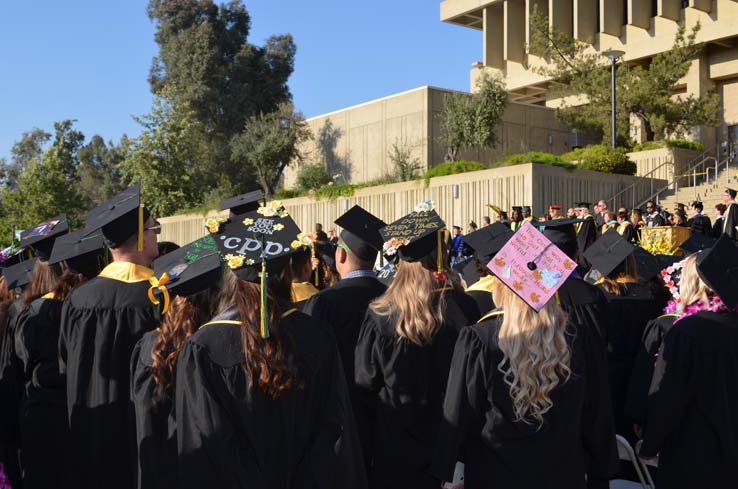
{"x":608,"y":252}
{"x":361,"y":232}
{"x":731,"y":192}
{"x":191,"y":268}
{"x":40,"y":238}
{"x":19,"y":275}
{"x":526,"y":208}
{"x":718,"y":268}
{"x":697,"y":203}
{"x":698,"y":242}
{"x":241,"y":204}
{"x":680,"y":206}
{"x":487,"y":241}
{"x":14,"y":256}
{"x":468,"y":270}
{"x":580,"y":205}
{"x":119,"y":218}
{"x":518,"y":208}
{"x":416,"y":234}
{"x":82,"y":254}
{"x":240,"y":238}
{"x":562,"y":233}
{"x":648,"y":265}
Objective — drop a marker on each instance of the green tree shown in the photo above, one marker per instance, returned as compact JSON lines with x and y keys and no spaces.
{"x":205,"y":57}
{"x":312,"y":176}
{"x":29,"y":148}
{"x":47,"y":186}
{"x":406,"y":165}
{"x":645,"y":90}
{"x":165,"y":158}
{"x":268,"y":144}
{"x":99,"y":171}
{"x":471,"y":121}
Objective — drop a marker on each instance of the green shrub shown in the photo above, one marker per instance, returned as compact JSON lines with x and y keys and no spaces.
{"x":684,"y":144}
{"x":648,"y":145}
{"x":333,"y":192}
{"x":604,"y":159}
{"x":287,"y":193}
{"x":452,"y":168}
{"x":538,"y":157}
{"x":312,"y":176}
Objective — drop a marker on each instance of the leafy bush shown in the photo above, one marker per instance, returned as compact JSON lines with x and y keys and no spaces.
{"x":452,"y":168}
{"x":684,"y":144}
{"x":405,"y":164}
{"x":648,"y":145}
{"x":312,"y":176}
{"x":333,"y":192}
{"x":604,"y":159}
{"x":287,"y":193}
{"x":538,"y":157}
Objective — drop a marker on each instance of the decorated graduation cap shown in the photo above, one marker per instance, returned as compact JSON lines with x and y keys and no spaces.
{"x":731,"y":192}
{"x":252,"y":245}
{"x":698,"y":242}
{"x":40,"y":238}
{"x":361,"y":232}
{"x":241,"y":204}
{"x":532,"y":266}
{"x":562,"y":233}
{"x":582,"y":205}
{"x":487,"y":241}
{"x":608,"y":252}
{"x":718,"y":268}
{"x":185,"y":271}
{"x":13,"y":255}
{"x":19,"y":275}
{"x":119,"y":218}
{"x":82,"y":254}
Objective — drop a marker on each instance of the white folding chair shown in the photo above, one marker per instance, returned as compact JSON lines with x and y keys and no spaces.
{"x":646,"y":463}
{"x":626,"y":452}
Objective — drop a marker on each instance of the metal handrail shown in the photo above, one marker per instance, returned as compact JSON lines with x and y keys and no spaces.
{"x":640,"y":178}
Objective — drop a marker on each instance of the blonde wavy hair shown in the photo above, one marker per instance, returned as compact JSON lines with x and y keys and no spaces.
{"x":536,"y":354}
{"x":691,"y":287}
{"x":413,"y":300}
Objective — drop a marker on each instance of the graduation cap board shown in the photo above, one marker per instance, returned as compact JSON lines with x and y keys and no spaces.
{"x":609,"y":251}
{"x":253,"y":244}
{"x":40,"y":238}
{"x":648,"y":265}
{"x":82,"y":254}
{"x":468,"y":270}
{"x":13,"y":255}
{"x":562,"y":233}
{"x":185,"y":271}
{"x":241,"y":204}
{"x":698,"y":242}
{"x":415,"y":235}
{"x":487,"y":241}
{"x":387,"y":273}
{"x":531,"y":266}
{"x":718,"y":268}
{"x":19,"y":275}
{"x":361,"y":232}
{"x":119,"y":218}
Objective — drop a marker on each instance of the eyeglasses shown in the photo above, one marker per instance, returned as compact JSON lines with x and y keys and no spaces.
{"x":344,"y":248}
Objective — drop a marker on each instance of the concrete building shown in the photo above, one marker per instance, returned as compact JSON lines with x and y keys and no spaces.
{"x":640,"y":28}
{"x":355,"y":142}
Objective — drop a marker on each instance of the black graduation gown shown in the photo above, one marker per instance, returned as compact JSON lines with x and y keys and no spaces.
{"x":586,"y":235}
{"x":230,"y":436}
{"x":585,"y":304}
{"x":717,"y":228}
{"x":11,"y":390}
{"x":730,"y":221}
{"x":692,"y":407}
{"x":481,"y":292}
{"x":407,"y":383}
{"x":479,"y":425}
{"x":43,"y":419}
{"x":102,"y":320}
{"x":344,"y":306}
{"x":627,"y":316}
{"x":628,"y":232}
{"x":640,"y":380}
{"x":700,"y":224}
{"x":156,"y":429}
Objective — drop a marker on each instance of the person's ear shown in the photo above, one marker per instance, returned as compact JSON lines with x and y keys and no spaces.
{"x":341,"y":255}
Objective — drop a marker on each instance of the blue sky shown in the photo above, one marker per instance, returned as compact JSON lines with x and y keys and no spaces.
{"x":89,"y":59}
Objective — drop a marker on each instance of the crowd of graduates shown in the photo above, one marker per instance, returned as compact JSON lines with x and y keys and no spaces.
{"x":395,"y":355}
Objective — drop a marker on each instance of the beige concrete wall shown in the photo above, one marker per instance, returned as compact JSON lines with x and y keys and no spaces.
{"x":362,"y":136}
{"x":459,"y":198}
{"x":664,"y":163}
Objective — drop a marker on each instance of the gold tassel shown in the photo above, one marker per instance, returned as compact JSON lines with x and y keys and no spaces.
{"x":264,"y":306}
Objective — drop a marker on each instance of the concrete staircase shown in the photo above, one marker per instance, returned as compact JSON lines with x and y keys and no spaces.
{"x":708,"y":193}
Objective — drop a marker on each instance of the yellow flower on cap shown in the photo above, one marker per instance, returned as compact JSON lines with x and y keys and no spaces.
{"x":248,"y":221}
{"x":234,"y":261}
{"x":295,"y":244}
{"x":213,"y":223}
{"x":278,"y":226}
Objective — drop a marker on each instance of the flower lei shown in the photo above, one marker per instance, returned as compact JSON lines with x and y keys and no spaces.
{"x":714,"y":304}
{"x":425,"y":206}
{"x":671,"y":276}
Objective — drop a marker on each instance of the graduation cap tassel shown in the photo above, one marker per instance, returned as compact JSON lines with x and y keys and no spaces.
{"x":264,"y":306}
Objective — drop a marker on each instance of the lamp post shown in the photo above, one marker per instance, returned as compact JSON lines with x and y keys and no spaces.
{"x":613,"y":54}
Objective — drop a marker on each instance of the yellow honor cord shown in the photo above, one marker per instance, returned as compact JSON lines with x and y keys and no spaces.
{"x":439,"y":257}
{"x":140,"y":228}
{"x":160,"y":283}
{"x":264,"y":329}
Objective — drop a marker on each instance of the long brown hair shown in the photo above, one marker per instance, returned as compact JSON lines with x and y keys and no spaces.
{"x":625,"y":273}
{"x":7,"y":297}
{"x":43,"y":280}
{"x":413,"y":302}
{"x":185,"y":315}
{"x":269,"y":363}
